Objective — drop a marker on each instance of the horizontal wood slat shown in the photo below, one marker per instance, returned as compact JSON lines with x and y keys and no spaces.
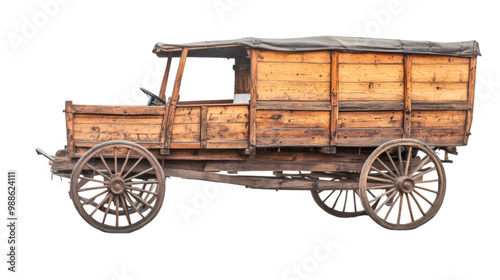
{"x":305,"y":72}
{"x":371,"y":73}
{"x":370,"y":58}
{"x":282,"y":90}
{"x":303,"y":57}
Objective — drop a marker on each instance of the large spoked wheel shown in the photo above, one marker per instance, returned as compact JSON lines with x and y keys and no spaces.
{"x":117,"y":186}
{"x":402,"y":184}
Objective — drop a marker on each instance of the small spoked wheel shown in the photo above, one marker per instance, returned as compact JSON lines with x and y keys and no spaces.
{"x":339,"y":203}
{"x":402,"y":184}
{"x":117,"y":186}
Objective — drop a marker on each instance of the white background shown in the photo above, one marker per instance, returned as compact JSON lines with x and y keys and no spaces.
{"x":99,"y":52}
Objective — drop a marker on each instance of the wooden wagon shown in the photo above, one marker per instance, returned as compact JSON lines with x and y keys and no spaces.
{"x":355,"y":121}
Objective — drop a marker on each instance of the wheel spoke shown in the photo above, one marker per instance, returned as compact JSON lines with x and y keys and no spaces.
{"x":92,"y":179}
{"x":428,"y":181}
{"x":117,"y":211}
{"x":328,"y":196}
{"x":380,"y":187}
{"x":140,"y":182}
{"x":387,"y":168}
{"x":140,"y":199}
{"x":125,"y":162}
{"x":423,"y":197}
{"x":392,"y":206}
{"x":421,"y":164}
{"x":99,"y":172}
{"x":354,"y":198}
{"x":133,"y":166}
{"x":125,"y":209}
{"x":409,"y":208}
{"x":400,"y":208}
{"x":141,"y":190}
{"x":107,"y":208}
{"x":94,"y":197}
{"x":368,"y":191}
{"x":379,"y":179}
{"x":388,"y":199}
{"x":386,"y":193}
{"x":100,"y":204}
{"x":336,"y":200}
{"x":408,"y":161}
{"x":400,"y":160}
{"x":139,"y":174}
{"x":423,"y":173}
{"x":116,"y":162}
{"x":426,"y":189}
{"x":345,"y":200}
{"x":93,"y":188}
{"x":133,"y":205}
{"x":418,"y":204}
{"x":383,"y":174}
{"x":105,"y":164}
{"x":393,"y":164}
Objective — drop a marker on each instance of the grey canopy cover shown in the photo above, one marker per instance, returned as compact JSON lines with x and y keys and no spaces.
{"x":462,"y":49}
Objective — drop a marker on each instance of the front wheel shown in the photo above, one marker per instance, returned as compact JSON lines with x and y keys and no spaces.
{"x":402,"y":184}
{"x":117,"y":186}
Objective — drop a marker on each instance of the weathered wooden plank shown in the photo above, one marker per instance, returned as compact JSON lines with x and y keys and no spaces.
{"x":293,"y":119}
{"x":470,"y":98}
{"x":439,"y":59}
{"x":308,"y":57}
{"x":439,"y":105}
{"x":70,"y":132}
{"x":185,"y":145}
{"x":186,"y":132}
{"x":285,"y":90}
{"x":113,"y":119}
{"x":261,"y":165}
{"x":227,"y":145}
{"x":293,"y":105}
{"x":228,"y":114}
{"x":407,"y":96}
{"x":293,"y":137}
{"x":367,"y":137}
{"x":227,"y":132}
{"x":88,"y":144}
{"x":371,"y":105}
{"x":370,"y":58}
{"x":305,"y":72}
{"x":371,"y":91}
{"x":439,"y":137}
{"x":371,"y":119}
{"x":108,"y":136}
{"x":334,"y":97}
{"x":119,"y":128}
{"x":440,"y":73}
{"x":436,"y":119}
{"x":241,"y":75}
{"x":375,"y":73}
{"x":187,"y":115}
{"x":440,"y":91}
{"x":227,"y":102}
{"x":118,"y":110}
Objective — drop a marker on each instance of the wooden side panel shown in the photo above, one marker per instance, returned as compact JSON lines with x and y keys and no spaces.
{"x":438,"y":119}
{"x":294,"y":99}
{"x":227,"y":126}
{"x":373,"y":119}
{"x":186,"y":127}
{"x":97,"y":127}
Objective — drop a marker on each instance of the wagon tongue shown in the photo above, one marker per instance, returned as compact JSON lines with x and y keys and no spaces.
{"x":41,"y":152}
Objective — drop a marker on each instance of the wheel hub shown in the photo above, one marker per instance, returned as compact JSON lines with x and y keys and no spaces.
{"x":117,"y":186}
{"x":405,"y":184}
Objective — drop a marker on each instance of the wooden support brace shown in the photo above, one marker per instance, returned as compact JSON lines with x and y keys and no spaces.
{"x":334,"y":97}
{"x":470,"y":98}
{"x":165,"y":77}
{"x":203,"y":127}
{"x":70,"y":132}
{"x":253,"y":103}
{"x":407,"y":96}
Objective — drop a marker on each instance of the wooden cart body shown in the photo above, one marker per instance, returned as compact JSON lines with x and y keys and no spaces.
{"x":319,"y":104}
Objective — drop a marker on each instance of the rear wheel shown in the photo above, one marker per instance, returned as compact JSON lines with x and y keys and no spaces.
{"x":402,"y":184}
{"x":118,"y":186}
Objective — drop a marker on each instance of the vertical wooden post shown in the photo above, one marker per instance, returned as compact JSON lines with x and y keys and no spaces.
{"x":173,"y":102}
{"x":253,"y":103}
{"x":165,"y":77}
{"x":470,"y":98}
{"x":70,"y":132}
{"x":203,"y":127}
{"x":407,"y":96}
{"x":334,"y":97}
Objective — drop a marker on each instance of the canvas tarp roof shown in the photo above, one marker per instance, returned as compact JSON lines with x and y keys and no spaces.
{"x":235,"y":48}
